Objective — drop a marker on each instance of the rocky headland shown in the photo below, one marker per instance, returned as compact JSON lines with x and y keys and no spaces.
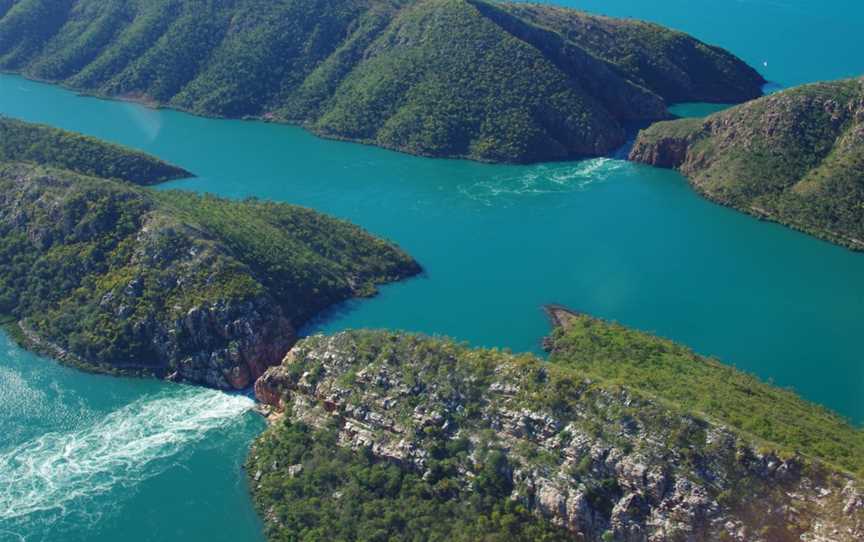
{"x":557,"y":450}
{"x":795,"y":157}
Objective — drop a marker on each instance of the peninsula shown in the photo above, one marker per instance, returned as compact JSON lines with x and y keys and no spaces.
{"x":106,"y":275}
{"x":39,"y":144}
{"x":619,"y":436}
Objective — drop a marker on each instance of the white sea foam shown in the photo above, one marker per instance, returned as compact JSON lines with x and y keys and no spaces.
{"x":542,"y":179}
{"x":15,"y":393}
{"x":58,"y":470}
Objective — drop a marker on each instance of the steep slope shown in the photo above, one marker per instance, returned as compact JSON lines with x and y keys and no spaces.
{"x":461,"y":78}
{"x":109,"y":276}
{"x":796,"y":157}
{"x":25,"y":142}
{"x":388,"y":436}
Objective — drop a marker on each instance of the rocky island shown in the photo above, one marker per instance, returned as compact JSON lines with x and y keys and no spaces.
{"x":619,"y":436}
{"x":105,"y":275}
{"x":491,"y":81}
{"x":795,"y":157}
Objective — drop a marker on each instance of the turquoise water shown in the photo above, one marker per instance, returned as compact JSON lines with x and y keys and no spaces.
{"x":150,"y":461}
{"x":89,"y":458}
{"x":696,"y":110}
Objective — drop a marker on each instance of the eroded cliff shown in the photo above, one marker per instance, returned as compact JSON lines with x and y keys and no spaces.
{"x":108,"y":276}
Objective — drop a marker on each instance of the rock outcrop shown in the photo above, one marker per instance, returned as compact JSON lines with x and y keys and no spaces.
{"x":598,"y":460}
{"x":795,"y":157}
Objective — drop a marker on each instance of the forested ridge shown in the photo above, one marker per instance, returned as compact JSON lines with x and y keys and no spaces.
{"x":40,"y":144}
{"x":464,"y":78}
{"x":795,"y":157}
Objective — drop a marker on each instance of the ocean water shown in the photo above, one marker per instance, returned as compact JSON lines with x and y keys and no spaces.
{"x":84,"y":457}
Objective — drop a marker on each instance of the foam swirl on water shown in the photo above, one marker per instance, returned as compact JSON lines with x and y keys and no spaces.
{"x":543,"y":179}
{"x":45,"y":475}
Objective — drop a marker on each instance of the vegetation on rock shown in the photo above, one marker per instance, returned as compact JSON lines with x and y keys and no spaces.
{"x":343,"y":494}
{"x":464,"y":78}
{"x":107,"y":275}
{"x":389,"y":436}
{"x":795,"y":157}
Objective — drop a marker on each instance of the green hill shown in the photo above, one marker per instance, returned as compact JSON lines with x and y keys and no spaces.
{"x":25,"y":142}
{"x":795,"y":157}
{"x":620,"y":436}
{"x":461,"y":78}
{"x":659,"y":368}
{"x":110,"y":276}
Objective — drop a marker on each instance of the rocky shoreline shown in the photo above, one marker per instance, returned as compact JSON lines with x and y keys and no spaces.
{"x":179,"y":286}
{"x":651,"y":492}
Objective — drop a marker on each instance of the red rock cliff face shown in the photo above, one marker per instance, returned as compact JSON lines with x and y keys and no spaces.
{"x":668,"y":152}
{"x":273,"y":388}
{"x":229,"y":345}
{"x":220,"y":342}
{"x":668,"y":144}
